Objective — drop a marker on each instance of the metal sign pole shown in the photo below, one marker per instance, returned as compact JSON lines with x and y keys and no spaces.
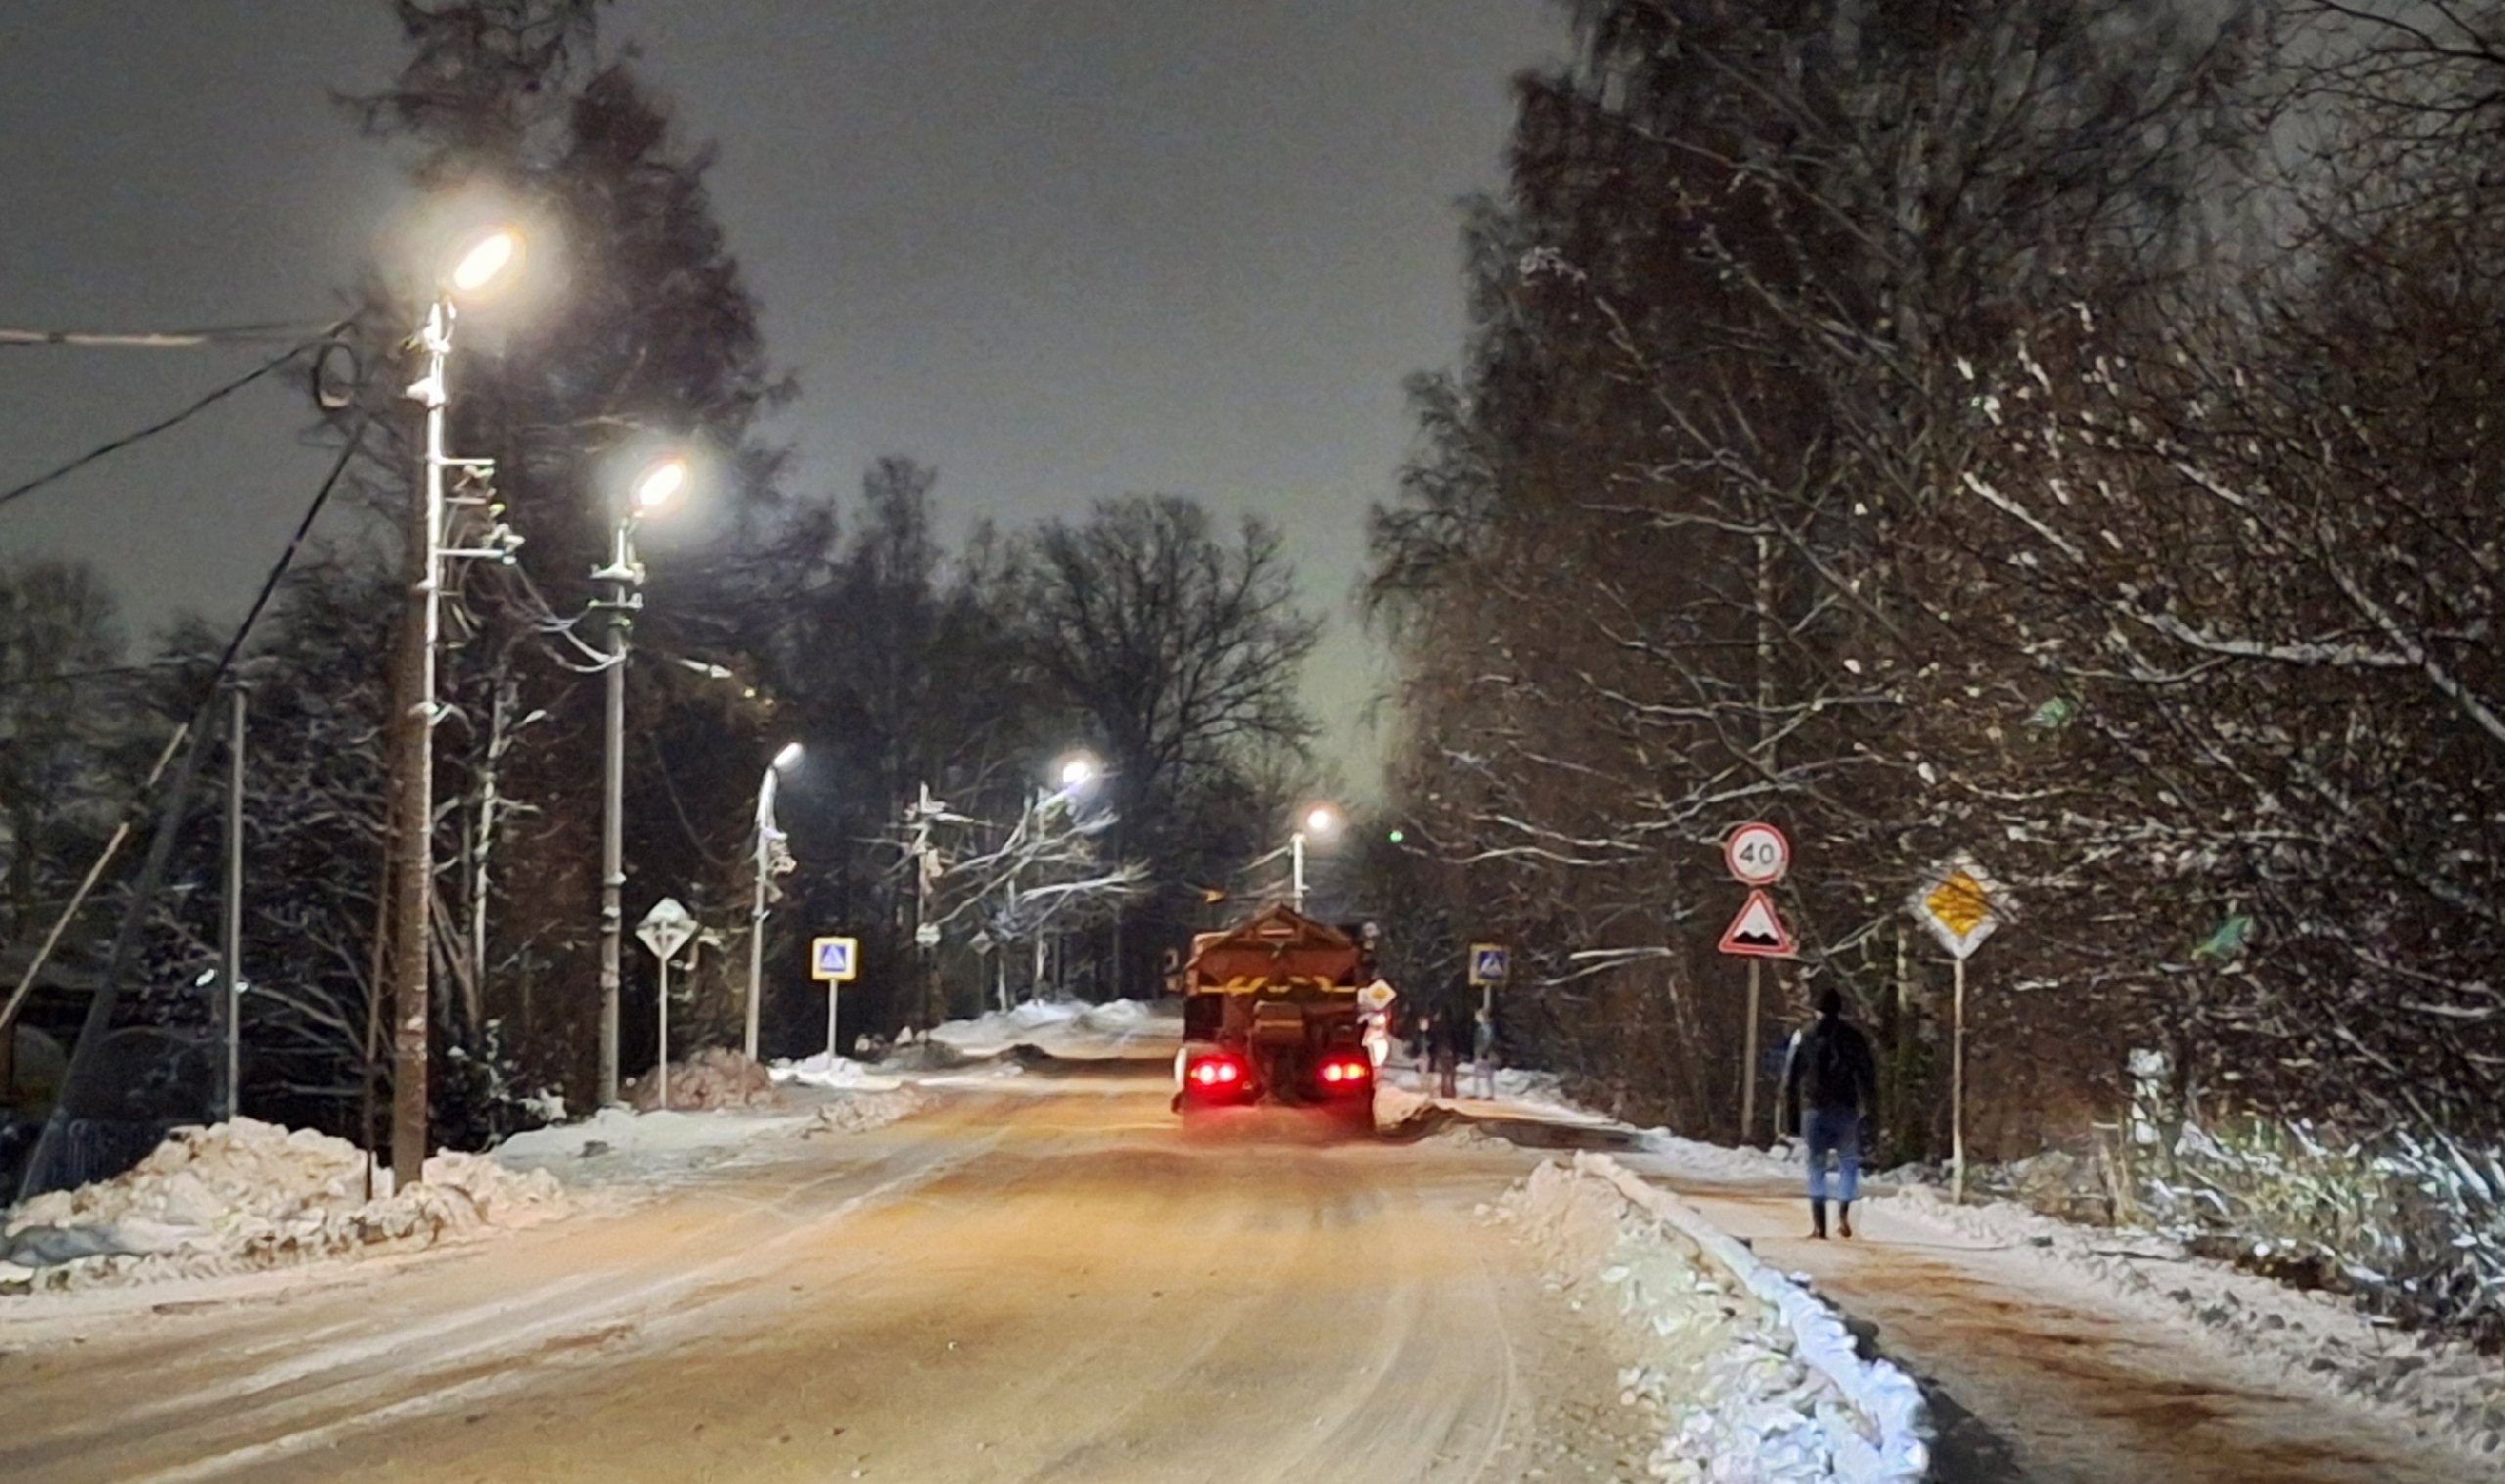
{"x":833,"y":988}
{"x":1957,"y":1094}
{"x":661,"y":1062}
{"x":1749,"y":1072}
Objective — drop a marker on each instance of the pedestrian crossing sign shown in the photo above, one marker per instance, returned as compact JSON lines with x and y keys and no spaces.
{"x":835,"y":959}
{"x":1488,"y":963}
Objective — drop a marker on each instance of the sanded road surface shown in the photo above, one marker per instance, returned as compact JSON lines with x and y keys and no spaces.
{"x":1009,"y":1287}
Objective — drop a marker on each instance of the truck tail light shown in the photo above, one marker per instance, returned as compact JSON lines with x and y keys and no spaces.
{"x":1216,"y":1071}
{"x":1346,"y":1071}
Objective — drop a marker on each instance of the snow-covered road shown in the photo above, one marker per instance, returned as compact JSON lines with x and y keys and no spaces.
{"x":1009,"y":1287}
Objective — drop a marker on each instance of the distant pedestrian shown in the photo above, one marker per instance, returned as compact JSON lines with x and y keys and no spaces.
{"x":1447,"y":1042}
{"x":1829,"y":1071}
{"x":1483,"y":1054}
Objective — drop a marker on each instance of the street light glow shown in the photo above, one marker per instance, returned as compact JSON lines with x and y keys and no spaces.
{"x":486,"y":261}
{"x":1321,"y":819}
{"x":1077,"y":772}
{"x":659,"y":482}
{"x":789,"y":754}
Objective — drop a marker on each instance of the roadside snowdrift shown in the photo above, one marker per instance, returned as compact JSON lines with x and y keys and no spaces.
{"x":835,"y":1074}
{"x":1069,"y":1029}
{"x":1756,"y":1380}
{"x":243,"y":1196}
{"x":715,"y":1077}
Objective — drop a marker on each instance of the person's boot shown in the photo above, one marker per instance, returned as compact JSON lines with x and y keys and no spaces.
{"x":1817,"y":1220}
{"x":1844,"y":1222}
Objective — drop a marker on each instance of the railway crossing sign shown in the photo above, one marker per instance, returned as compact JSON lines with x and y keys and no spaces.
{"x":1757,"y":932}
{"x":1488,"y":962}
{"x":835,"y":959}
{"x":1757,"y":854}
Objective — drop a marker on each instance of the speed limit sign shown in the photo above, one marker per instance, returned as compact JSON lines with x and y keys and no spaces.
{"x":1757,"y":854}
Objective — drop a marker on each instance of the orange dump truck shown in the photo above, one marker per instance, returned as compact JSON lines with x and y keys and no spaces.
{"x":1270,"y":1014}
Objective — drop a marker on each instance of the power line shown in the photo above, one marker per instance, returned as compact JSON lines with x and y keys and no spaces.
{"x":106,"y":450}
{"x":263,"y":332}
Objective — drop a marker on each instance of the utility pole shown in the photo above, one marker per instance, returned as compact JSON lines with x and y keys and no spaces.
{"x":413,"y":768}
{"x":231,"y":950}
{"x":660,"y":481}
{"x":772,"y":860}
{"x":924,"y":933}
{"x":413,"y":748}
{"x":613,"y":824}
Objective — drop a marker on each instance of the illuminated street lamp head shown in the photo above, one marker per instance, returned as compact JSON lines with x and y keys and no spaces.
{"x":1077,"y":772}
{"x":486,"y":262}
{"x":659,"y":484}
{"x":789,"y":754}
{"x":1321,"y":819}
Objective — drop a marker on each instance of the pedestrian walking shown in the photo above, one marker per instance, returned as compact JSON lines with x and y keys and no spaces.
{"x":1828,"y":1072}
{"x":1447,"y":1042}
{"x":1483,"y":1054}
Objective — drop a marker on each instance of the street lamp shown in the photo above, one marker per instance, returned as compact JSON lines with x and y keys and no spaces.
{"x":1321,"y":820}
{"x":479,"y":269}
{"x":660,"y":481}
{"x":772,"y":860}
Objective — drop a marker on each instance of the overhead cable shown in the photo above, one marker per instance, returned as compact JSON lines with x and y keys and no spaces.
{"x":264,"y":333}
{"x":105,"y":450}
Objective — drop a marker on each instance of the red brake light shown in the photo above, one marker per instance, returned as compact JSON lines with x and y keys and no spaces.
{"x":1214,"y":1071}
{"x":1346,"y":1071}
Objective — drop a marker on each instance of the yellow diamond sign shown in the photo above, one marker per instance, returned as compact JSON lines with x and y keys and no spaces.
{"x":1961,"y":906}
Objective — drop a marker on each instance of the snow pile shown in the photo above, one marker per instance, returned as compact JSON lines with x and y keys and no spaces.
{"x":1068,"y":1029}
{"x":1693,"y":1160}
{"x":2262,"y":1328}
{"x":630,"y":1140}
{"x":863,"y":1111}
{"x":1756,"y":1379}
{"x":245,"y":1195}
{"x":715,"y":1077}
{"x":840,"y":1075}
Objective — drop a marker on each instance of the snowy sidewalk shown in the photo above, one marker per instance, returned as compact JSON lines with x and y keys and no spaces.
{"x":2041,"y":1373}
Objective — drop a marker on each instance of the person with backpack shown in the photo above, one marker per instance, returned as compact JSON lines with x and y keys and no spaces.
{"x":1830,"y":1071}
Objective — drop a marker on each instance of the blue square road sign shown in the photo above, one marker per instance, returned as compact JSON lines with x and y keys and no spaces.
{"x":834,"y":959}
{"x":1488,"y":963}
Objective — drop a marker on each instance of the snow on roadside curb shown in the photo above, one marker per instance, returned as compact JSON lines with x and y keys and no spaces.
{"x":838,"y":1074}
{"x":864,"y":1111}
{"x":2262,"y":1327}
{"x":1761,"y":1381}
{"x":245,"y":1195}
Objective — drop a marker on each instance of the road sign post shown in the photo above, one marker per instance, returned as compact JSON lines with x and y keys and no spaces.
{"x":1962,"y":906}
{"x":666,"y":930}
{"x":832,"y":962}
{"x":1489,"y":962}
{"x":1758,"y":855}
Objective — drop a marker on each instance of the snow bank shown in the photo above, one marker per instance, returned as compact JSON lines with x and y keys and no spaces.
{"x":863,"y":1111}
{"x":1691,"y":1159}
{"x":2268,"y":1331}
{"x":245,"y":1195}
{"x":632,"y":1138}
{"x":840,"y":1075}
{"x":1756,"y":1380}
{"x":715,"y":1077}
{"x":1068,"y":1029}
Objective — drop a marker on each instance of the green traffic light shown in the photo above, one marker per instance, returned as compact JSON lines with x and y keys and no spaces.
{"x":1396,"y":836}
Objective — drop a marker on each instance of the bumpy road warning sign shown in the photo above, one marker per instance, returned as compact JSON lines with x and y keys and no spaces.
{"x":1757,"y":932}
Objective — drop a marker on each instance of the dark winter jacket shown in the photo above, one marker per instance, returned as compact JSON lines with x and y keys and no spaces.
{"x":1830,"y":1067}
